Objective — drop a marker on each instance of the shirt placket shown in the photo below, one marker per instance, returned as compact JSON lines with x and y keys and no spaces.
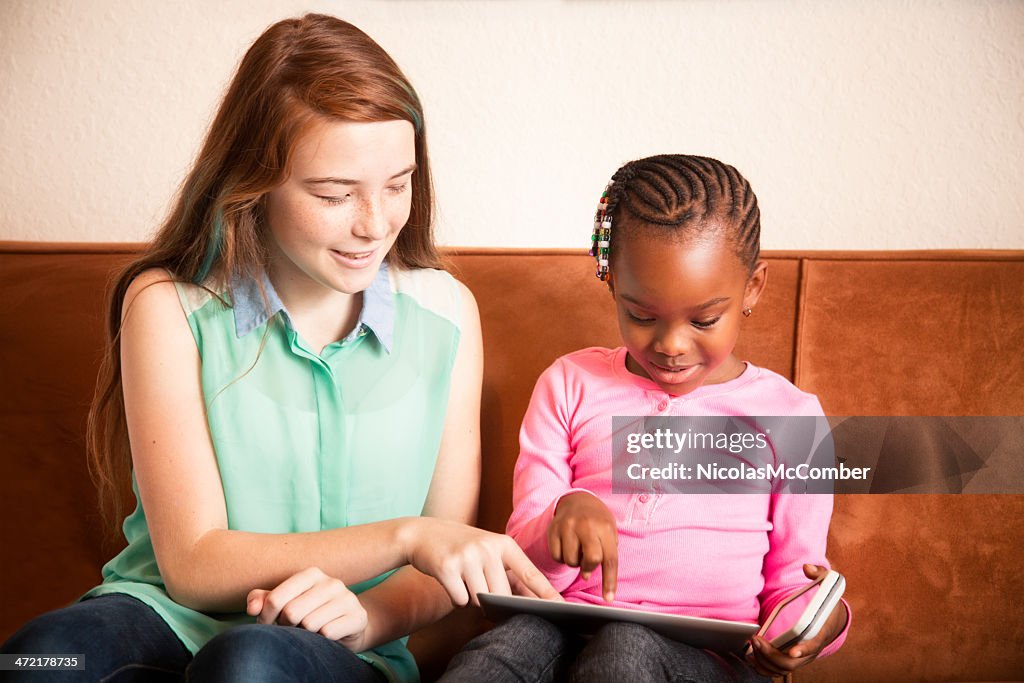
{"x":331,"y":455}
{"x":643,"y":505}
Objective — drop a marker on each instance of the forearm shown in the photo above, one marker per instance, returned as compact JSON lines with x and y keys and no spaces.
{"x":220,"y":569}
{"x":402,"y":604}
{"x":798,"y":537}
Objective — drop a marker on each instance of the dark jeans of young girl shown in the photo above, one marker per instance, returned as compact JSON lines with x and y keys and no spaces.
{"x":528,"y":648}
{"x":122,"y":640}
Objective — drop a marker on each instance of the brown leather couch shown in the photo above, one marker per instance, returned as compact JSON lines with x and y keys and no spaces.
{"x":935,"y":581}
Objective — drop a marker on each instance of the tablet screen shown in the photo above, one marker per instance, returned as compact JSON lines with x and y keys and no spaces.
{"x":710,"y":634}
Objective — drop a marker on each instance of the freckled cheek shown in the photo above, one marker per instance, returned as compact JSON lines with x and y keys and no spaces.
{"x":399,"y":217}
{"x":286,"y":218}
{"x":319,"y":226}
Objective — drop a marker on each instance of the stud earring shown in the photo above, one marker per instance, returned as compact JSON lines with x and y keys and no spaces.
{"x":747,"y":311}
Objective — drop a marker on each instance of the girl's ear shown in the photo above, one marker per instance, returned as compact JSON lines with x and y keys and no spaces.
{"x":610,"y":281}
{"x":755,"y":285}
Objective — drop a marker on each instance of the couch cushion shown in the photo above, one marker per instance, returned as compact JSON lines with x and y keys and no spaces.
{"x":929,"y":336}
{"x":933,"y":582}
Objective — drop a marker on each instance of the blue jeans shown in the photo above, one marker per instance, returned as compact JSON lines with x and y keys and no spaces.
{"x":529,"y":648}
{"x":123,"y":641}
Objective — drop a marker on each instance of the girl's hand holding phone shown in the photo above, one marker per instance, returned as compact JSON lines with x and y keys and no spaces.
{"x":770,"y":661}
{"x":583,"y":534}
{"x":316,"y":602}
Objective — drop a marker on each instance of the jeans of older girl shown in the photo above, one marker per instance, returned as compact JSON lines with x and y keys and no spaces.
{"x":122,"y":640}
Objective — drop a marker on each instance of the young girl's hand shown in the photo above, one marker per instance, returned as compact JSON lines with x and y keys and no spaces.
{"x":770,"y":661}
{"x":316,"y":602}
{"x":583,"y":534}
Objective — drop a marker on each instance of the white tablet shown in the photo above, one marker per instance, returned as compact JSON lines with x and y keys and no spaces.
{"x":711,"y":634}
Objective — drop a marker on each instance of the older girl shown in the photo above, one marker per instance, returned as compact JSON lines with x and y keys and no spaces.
{"x":294,"y":385}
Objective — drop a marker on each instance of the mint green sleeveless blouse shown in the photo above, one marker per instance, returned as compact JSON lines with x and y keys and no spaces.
{"x":307,"y":441}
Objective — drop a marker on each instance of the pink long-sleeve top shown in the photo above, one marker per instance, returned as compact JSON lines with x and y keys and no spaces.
{"x":723,"y":556}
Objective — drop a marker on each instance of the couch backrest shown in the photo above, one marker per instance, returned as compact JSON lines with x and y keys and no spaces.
{"x":886,"y":333}
{"x":51,"y":337}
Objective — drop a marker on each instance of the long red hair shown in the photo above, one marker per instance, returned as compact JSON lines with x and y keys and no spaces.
{"x":299,"y":71}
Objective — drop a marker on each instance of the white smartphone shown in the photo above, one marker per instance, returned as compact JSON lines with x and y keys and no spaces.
{"x":830,"y":589}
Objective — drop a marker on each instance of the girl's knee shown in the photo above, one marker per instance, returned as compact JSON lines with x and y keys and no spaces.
{"x":42,"y":635}
{"x":523,"y":629}
{"x":620,"y":635}
{"x":72,"y":630}
{"x":618,"y":652}
{"x":532,"y":626}
{"x":627,"y":652}
{"x":522,"y":648}
{"x":266,"y":652}
{"x":244,"y":653}
{"x":114,"y":633}
{"x":247,"y":639}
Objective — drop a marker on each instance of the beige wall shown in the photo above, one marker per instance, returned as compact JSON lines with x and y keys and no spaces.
{"x":861,"y":124}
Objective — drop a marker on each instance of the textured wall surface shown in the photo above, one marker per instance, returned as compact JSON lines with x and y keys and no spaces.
{"x":861,"y":124}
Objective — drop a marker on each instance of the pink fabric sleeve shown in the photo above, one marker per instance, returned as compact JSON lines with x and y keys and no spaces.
{"x":543,"y":474}
{"x":798,"y":536}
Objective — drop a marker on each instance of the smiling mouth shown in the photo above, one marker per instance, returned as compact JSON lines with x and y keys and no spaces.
{"x":674,"y":374}
{"x":673,"y":368}
{"x":356,"y":255}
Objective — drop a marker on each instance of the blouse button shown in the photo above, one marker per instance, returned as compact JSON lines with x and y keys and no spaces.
{"x":662,"y":405}
{"x":644,"y":497}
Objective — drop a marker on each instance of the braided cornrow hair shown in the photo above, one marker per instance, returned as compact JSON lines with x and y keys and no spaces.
{"x":683,"y":194}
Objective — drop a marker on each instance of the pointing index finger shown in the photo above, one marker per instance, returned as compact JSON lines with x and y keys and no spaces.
{"x":609,"y":569}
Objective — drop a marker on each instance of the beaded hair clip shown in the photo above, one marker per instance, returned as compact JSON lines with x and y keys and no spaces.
{"x":601,"y":239}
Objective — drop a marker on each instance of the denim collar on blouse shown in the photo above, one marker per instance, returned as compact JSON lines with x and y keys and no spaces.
{"x":377,"y":314}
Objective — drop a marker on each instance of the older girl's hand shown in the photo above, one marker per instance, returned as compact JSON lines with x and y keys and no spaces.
{"x":770,"y":661}
{"x":466,"y":561}
{"x":316,"y":602}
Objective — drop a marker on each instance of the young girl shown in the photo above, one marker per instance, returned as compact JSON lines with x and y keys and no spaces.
{"x":295,"y":389}
{"x":677,"y":240}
